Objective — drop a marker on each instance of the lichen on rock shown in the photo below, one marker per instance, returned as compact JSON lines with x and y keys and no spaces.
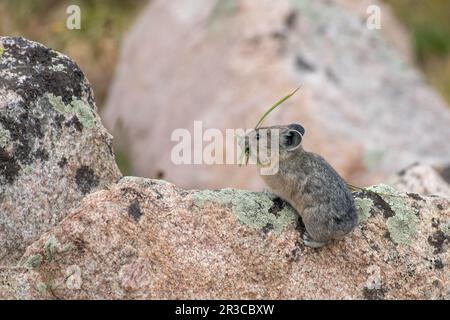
{"x":250,"y":208}
{"x":77,"y":107}
{"x":33,"y":261}
{"x":364,"y":205}
{"x":49,"y":131}
{"x":57,"y":103}
{"x":229,"y":244}
{"x":50,"y":248}
{"x":5,"y":137}
{"x":83,"y":113}
{"x":445,"y":228}
{"x":58,"y":67}
{"x":401,"y":226}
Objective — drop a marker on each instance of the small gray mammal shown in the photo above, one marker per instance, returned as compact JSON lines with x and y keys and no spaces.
{"x":305,"y":180}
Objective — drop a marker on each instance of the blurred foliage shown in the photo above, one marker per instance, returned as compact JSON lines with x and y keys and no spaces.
{"x":429,"y":25}
{"x":123,"y":160}
{"x":94,"y":47}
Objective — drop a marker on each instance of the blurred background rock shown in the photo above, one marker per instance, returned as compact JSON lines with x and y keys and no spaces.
{"x":104,"y":23}
{"x":95,"y":47}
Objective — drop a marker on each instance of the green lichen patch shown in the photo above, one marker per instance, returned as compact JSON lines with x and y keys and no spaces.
{"x":58,"y":67}
{"x":41,"y":287}
{"x":402,"y":226}
{"x":250,"y":208}
{"x":77,"y":107}
{"x":68,"y":247}
{"x":50,"y":247}
{"x":2,"y":50}
{"x":83,"y":113}
{"x":5,"y":138}
{"x":364,"y":205}
{"x":57,"y":103}
{"x":445,"y":228}
{"x":27,"y":170}
{"x":33,"y":261}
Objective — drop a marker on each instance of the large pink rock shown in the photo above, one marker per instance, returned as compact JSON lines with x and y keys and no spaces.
{"x":365,"y":109}
{"x":148,"y":239}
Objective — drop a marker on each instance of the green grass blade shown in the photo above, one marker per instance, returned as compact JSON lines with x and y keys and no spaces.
{"x":354,"y":188}
{"x":274,"y":106}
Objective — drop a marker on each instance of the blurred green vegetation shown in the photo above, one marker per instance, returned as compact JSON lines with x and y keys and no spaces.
{"x":123,"y":160}
{"x":429,"y":25}
{"x":94,"y":47}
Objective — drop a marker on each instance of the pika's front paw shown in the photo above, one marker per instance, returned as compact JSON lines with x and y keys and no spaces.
{"x":310,"y":242}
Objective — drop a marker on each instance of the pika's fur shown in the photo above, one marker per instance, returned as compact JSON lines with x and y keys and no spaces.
{"x":305,"y":180}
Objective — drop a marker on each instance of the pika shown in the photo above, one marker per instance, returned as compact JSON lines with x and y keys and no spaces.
{"x":306,"y":181}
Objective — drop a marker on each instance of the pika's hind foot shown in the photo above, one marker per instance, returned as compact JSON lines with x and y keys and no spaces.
{"x":310,"y":242}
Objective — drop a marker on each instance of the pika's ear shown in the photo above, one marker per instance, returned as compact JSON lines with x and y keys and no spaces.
{"x":297,"y":127}
{"x":291,"y":139}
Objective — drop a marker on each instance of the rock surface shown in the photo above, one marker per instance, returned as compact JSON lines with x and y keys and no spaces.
{"x":365,"y":109}
{"x":421,"y":179}
{"x":53,"y":148}
{"x":148,"y":239}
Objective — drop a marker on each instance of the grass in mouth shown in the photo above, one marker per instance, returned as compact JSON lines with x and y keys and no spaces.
{"x":245,"y":155}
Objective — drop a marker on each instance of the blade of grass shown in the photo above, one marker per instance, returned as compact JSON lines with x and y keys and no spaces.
{"x":241,"y":158}
{"x":353,"y":188}
{"x":274,"y":106}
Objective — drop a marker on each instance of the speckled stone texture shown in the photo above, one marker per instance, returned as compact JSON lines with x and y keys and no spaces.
{"x":53,"y":148}
{"x":423,"y":179}
{"x":148,"y":239}
{"x":364,"y":107}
